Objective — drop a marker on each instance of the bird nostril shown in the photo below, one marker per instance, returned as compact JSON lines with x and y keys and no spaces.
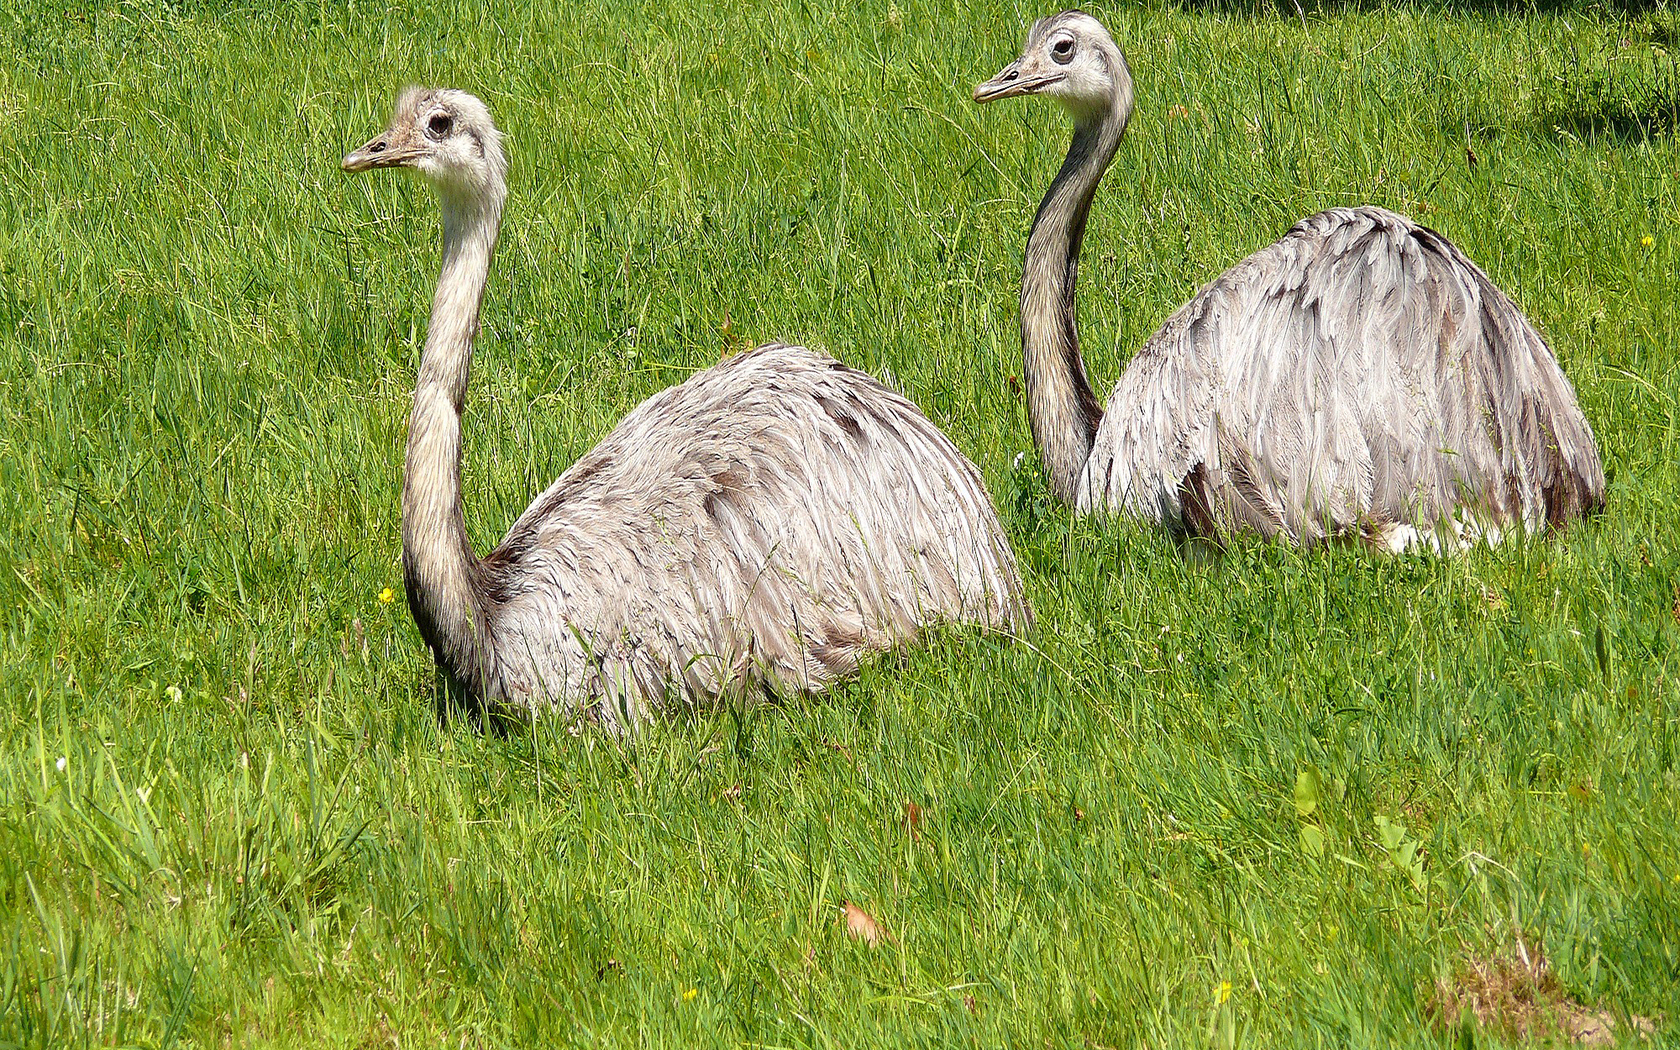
{"x":1012,"y":74}
{"x":377,"y":147}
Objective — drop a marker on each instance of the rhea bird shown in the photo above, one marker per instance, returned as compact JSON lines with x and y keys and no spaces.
{"x":769,"y":521}
{"x":1359,"y":377}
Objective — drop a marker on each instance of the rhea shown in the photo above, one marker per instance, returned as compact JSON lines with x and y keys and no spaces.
{"x":1359,"y":377}
{"x":767,"y":522}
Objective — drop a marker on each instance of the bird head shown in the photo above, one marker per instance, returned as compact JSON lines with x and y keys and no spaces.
{"x":444,"y":134}
{"x":1071,"y":58}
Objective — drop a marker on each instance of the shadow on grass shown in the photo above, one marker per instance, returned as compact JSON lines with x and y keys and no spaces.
{"x":1602,"y":105}
{"x":1487,"y":8}
{"x":452,"y":704}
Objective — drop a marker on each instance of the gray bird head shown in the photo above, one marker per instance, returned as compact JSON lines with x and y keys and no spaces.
{"x":1071,"y":58}
{"x":444,"y":134}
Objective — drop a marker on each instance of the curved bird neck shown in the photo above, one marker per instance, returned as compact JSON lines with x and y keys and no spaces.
{"x":1060,"y":405}
{"x":440,"y":569}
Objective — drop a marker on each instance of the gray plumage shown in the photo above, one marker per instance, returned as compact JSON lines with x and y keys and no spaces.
{"x":1359,"y":377}
{"x":771,"y":519}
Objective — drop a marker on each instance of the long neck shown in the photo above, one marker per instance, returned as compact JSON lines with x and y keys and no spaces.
{"x":440,"y":568}
{"x":1060,"y":405}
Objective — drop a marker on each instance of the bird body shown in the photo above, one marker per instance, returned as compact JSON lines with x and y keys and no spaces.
{"x":1359,"y":377}
{"x":779,"y":513}
{"x":771,"y":519}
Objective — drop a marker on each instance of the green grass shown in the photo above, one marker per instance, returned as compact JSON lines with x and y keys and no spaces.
{"x":261,"y":836}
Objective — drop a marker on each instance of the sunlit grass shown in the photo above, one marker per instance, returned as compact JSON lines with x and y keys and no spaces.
{"x":1257,"y":797}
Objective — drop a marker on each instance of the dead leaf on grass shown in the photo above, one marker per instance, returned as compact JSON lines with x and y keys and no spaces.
{"x":1492,"y":598}
{"x":861,"y":926}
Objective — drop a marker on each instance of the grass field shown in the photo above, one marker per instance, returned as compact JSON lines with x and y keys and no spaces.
{"x":1261,"y":797}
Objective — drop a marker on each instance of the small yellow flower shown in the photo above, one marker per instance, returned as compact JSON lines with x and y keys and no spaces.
{"x":1224,"y":995}
{"x":387,"y":596}
{"x":1646,"y":241}
{"x":689,"y":995}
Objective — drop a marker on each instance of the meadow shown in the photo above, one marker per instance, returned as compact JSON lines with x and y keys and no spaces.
{"x":1250,"y":796}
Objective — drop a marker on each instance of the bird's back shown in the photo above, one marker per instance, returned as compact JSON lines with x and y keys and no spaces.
{"x":1359,"y":376}
{"x":777,"y":515}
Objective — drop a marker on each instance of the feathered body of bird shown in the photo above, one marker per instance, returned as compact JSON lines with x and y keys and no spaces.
{"x":1359,"y":377}
{"x":772,"y":519}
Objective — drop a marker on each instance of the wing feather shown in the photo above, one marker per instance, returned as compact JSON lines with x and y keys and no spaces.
{"x":1360,"y":376}
{"x":778,"y":515}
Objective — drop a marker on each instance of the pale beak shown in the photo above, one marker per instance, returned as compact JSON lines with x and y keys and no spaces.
{"x":381,"y":151}
{"x":1012,"y":81}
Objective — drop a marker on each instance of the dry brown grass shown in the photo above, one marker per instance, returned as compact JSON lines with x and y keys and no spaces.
{"x":1516,"y":997}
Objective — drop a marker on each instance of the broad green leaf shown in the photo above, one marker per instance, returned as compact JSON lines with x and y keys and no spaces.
{"x":1312,"y":840}
{"x":1309,"y":791}
{"x":1391,"y":833}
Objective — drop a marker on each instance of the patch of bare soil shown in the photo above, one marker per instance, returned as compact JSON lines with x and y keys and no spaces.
{"x":1516,"y":996}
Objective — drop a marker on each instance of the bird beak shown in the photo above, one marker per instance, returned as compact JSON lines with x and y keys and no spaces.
{"x":381,"y":151}
{"x":1012,"y":81}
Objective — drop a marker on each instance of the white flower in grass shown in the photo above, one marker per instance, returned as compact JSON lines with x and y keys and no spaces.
{"x":174,"y":694}
{"x":62,"y":763}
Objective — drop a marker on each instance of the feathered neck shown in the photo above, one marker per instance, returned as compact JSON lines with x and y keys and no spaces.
{"x":1063,"y":411}
{"x":440,"y":569}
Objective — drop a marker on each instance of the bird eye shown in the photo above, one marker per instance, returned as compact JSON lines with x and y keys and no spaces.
{"x":1062,"y":50}
{"x":438,"y":126}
